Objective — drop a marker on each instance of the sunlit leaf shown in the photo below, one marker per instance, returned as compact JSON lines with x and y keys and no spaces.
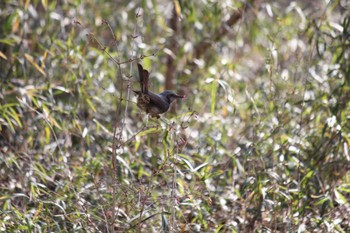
{"x":91,"y":105}
{"x":340,"y":198}
{"x":31,"y":60}
{"x":3,"y":56}
{"x":44,"y":3}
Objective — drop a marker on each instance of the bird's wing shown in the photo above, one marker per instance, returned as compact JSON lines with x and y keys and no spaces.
{"x":144,"y":76}
{"x":158,"y":101}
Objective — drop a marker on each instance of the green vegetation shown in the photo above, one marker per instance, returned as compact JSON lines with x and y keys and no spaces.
{"x":261,"y":143}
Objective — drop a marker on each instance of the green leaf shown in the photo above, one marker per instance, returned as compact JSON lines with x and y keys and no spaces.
{"x":340,"y":198}
{"x":213,"y":96}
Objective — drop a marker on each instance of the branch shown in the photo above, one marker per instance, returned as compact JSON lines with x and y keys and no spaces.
{"x":219,"y":34}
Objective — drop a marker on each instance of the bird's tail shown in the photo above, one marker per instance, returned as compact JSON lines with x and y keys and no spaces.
{"x":144,"y":76}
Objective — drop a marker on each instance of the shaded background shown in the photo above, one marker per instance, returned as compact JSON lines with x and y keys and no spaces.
{"x":261,"y":143}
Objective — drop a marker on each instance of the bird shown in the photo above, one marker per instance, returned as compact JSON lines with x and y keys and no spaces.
{"x":151,"y":103}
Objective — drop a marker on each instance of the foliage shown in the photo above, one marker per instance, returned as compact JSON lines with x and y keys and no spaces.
{"x":261,"y":143}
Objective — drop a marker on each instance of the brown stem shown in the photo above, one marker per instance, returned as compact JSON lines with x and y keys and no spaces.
{"x":173,"y":47}
{"x":219,"y":34}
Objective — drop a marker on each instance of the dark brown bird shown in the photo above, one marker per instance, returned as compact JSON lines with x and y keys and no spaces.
{"x":152,"y":103}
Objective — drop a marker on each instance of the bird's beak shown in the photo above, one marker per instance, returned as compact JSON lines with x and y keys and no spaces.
{"x":180,"y":96}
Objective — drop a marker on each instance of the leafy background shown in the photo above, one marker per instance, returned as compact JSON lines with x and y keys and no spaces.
{"x":261,"y":143}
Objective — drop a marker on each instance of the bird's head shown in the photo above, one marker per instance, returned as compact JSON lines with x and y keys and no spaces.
{"x":171,"y":96}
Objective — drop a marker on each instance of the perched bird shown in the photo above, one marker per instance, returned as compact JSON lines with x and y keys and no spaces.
{"x":152,"y":103}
